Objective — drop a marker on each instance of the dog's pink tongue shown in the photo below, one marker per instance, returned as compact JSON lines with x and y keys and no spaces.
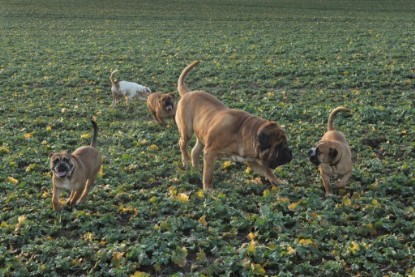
{"x":61,"y":174}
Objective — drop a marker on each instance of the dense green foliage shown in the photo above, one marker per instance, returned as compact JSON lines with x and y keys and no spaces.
{"x":287,"y":60}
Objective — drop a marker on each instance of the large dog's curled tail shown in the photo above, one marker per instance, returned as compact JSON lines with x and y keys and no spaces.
{"x":181,"y":86}
{"x":330,"y":123}
{"x":112,"y":77}
{"x":95,"y":133}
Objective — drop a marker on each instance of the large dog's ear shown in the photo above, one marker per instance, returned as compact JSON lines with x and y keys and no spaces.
{"x":333,"y":153}
{"x":264,"y":141}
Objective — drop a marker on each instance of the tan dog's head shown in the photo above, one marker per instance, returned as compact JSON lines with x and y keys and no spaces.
{"x":326,"y":152}
{"x":62,"y":164}
{"x":272,"y":145}
{"x":167,"y":102}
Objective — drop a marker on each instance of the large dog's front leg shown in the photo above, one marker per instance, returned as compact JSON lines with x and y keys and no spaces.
{"x":325,"y":178}
{"x":197,"y":149}
{"x":55,"y":198}
{"x":266,"y":172}
{"x":209,"y":160}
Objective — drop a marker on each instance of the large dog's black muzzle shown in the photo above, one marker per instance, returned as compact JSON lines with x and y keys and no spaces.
{"x":283,"y":156}
{"x":313,"y":156}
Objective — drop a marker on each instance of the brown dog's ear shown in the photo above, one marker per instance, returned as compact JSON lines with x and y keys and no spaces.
{"x":263,"y":140}
{"x":333,"y":153}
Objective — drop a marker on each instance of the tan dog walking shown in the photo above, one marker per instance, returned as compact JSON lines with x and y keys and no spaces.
{"x":332,"y":154}
{"x":224,"y":133}
{"x":161,"y":106}
{"x":75,"y":171}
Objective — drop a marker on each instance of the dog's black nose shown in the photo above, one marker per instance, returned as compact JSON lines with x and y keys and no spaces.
{"x":310,"y":152}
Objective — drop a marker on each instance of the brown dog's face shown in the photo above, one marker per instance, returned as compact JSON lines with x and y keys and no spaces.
{"x":273,"y":148}
{"x":323,"y":153}
{"x":61,"y":164}
{"x":167,"y":102}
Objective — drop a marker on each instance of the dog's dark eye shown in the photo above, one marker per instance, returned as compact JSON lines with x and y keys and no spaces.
{"x":55,"y":161}
{"x":65,"y":160}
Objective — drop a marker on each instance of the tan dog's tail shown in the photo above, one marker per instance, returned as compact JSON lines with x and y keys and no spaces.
{"x":330,"y":123}
{"x":95,"y":134}
{"x":181,"y":86}
{"x":112,"y":77}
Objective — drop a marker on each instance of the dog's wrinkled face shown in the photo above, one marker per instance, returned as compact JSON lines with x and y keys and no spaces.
{"x":61,"y":164}
{"x":167,"y":102}
{"x":323,"y":153}
{"x":273,"y":147}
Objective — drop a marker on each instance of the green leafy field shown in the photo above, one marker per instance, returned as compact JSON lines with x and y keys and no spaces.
{"x":289,"y":61}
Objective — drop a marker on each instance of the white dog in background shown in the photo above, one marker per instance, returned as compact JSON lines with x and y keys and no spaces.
{"x":127,"y":90}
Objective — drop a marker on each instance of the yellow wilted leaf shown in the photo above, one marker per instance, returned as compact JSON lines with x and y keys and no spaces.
{"x":140,"y":274}
{"x":257,"y":269}
{"x":117,"y":256}
{"x":86,"y":136}
{"x":283,"y":200}
{"x":375,"y":203}
{"x":12,"y":180}
{"x":153,"y":199}
{"x":182,"y":197}
{"x":251,"y":236}
{"x":4,"y":149}
{"x":347,"y":201}
{"x":354,"y":247}
{"x":143,"y":142}
{"x":21,"y":219}
{"x":248,"y":170}
{"x":305,"y":241}
{"x":291,"y":251}
{"x":293,"y":206}
{"x":200,"y":194}
{"x":88,"y":236}
{"x":202,"y":220}
{"x":266,"y":193}
{"x":30,"y":167}
{"x":227,"y":164}
{"x":101,"y":171}
{"x":28,"y":135}
{"x":179,"y":256}
{"x":251,"y":248}
{"x":48,"y":128}
{"x":153,"y":147}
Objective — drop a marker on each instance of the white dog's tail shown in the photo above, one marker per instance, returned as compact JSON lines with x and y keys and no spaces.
{"x":112,"y":77}
{"x":181,"y":86}
{"x":330,"y":123}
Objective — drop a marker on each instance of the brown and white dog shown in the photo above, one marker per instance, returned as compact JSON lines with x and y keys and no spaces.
{"x":224,"y":133}
{"x":127,"y":90}
{"x":75,"y":171}
{"x":161,"y":106}
{"x":332,"y":155}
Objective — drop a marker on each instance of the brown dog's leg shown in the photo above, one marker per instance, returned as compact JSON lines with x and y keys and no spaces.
{"x":341,"y":184}
{"x":266,"y":172}
{"x":183,"y":149}
{"x":208,"y":168}
{"x":55,"y":199}
{"x":326,"y":182}
{"x":88,"y":187}
{"x":197,"y":149}
{"x":75,"y":197}
{"x":71,"y":196}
